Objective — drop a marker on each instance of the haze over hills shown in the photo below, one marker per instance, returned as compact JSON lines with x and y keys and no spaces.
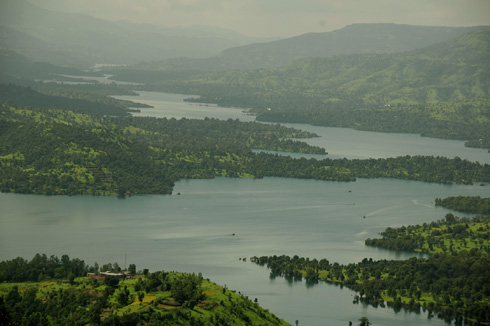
{"x":346,"y":78}
{"x":18,"y":69}
{"x":453,"y":69}
{"x":352,"y":39}
{"x":440,"y":91}
{"x":81,"y":40}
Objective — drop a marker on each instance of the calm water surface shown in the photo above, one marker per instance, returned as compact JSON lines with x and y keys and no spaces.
{"x":338,"y":142}
{"x":192,"y":232}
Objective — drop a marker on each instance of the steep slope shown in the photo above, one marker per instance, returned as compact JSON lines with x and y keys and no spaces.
{"x":15,"y":68}
{"x":88,"y":39}
{"x":29,"y":46}
{"x":441,"y":91}
{"x":456,"y":66}
{"x":352,"y":39}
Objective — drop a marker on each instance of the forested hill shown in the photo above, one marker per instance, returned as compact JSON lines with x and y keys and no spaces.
{"x":15,"y":66}
{"x":55,"y":151}
{"x":98,"y":105}
{"x":352,"y":39}
{"x":54,"y":291}
{"x":452,"y":283}
{"x":439,"y":91}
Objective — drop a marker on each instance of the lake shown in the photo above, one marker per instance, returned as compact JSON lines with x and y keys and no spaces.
{"x":338,"y":142}
{"x":192,"y":232}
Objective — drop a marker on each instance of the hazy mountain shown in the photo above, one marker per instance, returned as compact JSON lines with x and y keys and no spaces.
{"x":456,"y":69}
{"x":16,"y":68}
{"x":81,"y":39}
{"x":38,"y":50}
{"x":352,"y":39}
{"x":442,"y":90}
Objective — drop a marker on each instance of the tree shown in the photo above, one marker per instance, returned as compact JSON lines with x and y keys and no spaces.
{"x":116,"y":267}
{"x":450,"y":219}
{"x":363,"y":321}
{"x":132,"y":269}
{"x":187,"y":289}
{"x":111,"y":281}
{"x":71,"y":278}
{"x":141,"y":296}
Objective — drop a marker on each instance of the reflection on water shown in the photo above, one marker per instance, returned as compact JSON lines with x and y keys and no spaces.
{"x":272,"y":216}
{"x":194,"y":233}
{"x":338,"y":142}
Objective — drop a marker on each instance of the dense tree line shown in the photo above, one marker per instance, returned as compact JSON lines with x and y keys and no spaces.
{"x":467,"y":204}
{"x":450,"y":235}
{"x":162,"y":298}
{"x":52,"y":151}
{"x":452,"y":283}
{"x":230,"y":135}
{"x":91,"y":104}
{"x":40,"y":268}
{"x":454,"y":287}
{"x":440,"y":91}
{"x":43,"y":268}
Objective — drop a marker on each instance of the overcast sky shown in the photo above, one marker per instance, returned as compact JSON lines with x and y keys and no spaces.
{"x":281,"y":17}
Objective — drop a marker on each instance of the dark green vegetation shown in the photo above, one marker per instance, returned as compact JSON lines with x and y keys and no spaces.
{"x":54,"y":151}
{"x":453,"y":283}
{"x":438,"y":91}
{"x":66,"y":295}
{"x":42,"y":268}
{"x":467,"y":204}
{"x":450,"y":235}
{"x":65,"y":98}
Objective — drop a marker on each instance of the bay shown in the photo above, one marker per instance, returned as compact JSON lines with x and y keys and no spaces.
{"x":338,"y":142}
{"x":193,"y":232}
{"x":166,"y":105}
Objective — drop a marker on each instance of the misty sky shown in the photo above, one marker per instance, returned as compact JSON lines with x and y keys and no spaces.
{"x":281,"y":17}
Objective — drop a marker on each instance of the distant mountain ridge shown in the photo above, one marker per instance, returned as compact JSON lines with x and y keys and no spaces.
{"x":442,"y":90}
{"x":84,"y":40}
{"x":352,"y":39}
{"x":456,"y":69}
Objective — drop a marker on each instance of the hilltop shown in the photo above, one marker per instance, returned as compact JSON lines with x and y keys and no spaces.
{"x":80,"y":40}
{"x":438,"y":91}
{"x":352,"y":39}
{"x":59,"y":292}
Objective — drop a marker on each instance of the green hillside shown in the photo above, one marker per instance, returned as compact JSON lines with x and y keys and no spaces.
{"x":438,"y":91}
{"x":57,"y":151}
{"x":58,"y":97}
{"x":62,"y":294}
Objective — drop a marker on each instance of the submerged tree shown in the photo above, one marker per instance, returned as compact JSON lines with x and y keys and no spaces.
{"x":363,"y":321}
